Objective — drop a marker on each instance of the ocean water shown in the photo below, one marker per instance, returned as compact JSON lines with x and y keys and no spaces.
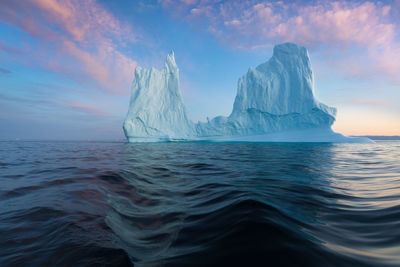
{"x":183,"y":204}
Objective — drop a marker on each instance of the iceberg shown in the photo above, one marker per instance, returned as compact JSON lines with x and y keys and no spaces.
{"x":275,"y":102}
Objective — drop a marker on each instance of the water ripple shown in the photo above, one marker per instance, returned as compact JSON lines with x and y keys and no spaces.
{"x":182,"y":204}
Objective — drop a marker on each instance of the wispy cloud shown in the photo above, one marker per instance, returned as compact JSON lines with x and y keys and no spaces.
{"x":5,"y":71}
{"x":85,"y":108}
{"x":70,"y":105}
{"x":369,"y":28}
{"x":27,"y":101}
{"x":371,"y":102}
{"x":79,"y":39}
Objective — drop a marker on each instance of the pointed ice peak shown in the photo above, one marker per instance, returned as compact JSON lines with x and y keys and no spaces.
{"x":289,"y":49}
{"x":170,"y":61}
{"x":171,"y":54}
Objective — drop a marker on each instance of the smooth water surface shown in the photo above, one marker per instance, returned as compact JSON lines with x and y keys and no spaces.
{"x":182,"y":204}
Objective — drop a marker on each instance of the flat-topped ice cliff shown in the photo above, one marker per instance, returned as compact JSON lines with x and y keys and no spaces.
{"x":275,"y":102}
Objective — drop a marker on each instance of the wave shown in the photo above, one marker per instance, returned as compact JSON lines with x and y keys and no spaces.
{"x":200,"y":204}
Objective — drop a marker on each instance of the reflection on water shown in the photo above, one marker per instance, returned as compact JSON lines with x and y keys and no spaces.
{"x":368,"y":215}
{"x":176,"y":204}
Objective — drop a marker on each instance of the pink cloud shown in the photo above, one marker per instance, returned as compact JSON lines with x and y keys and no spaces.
{"x":54,"y":7}
{"x":79,"y":39}
{"x":368,"y":27}
{"x":338,"y":23}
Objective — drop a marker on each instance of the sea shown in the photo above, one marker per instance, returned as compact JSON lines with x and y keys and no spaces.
{"x":73,"y":203}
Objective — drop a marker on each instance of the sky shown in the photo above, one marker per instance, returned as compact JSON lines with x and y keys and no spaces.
{"x":66,"y":67}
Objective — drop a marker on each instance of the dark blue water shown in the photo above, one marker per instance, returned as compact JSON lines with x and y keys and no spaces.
{"x":182,"y":204}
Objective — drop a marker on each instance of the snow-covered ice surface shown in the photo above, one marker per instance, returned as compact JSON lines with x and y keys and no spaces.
{"x":274,"y":103}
